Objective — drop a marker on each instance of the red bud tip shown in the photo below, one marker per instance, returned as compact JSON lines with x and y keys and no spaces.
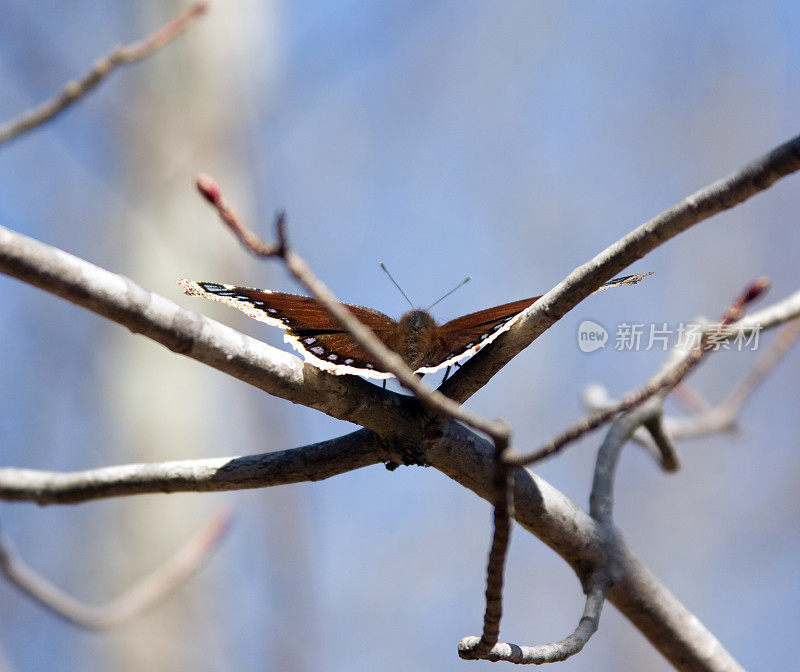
{"x":757,"y":288}
{"x":208,"y":188}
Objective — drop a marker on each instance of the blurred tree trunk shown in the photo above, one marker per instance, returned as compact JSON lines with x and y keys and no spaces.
{"x":183,"y":119}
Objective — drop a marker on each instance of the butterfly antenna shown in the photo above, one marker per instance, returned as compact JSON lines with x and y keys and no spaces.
{"x":441,"y":298}
{"x":385,"y":270}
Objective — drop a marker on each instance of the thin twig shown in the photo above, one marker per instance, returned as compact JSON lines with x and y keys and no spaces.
{"x":690,"y":398}
{"x":596,"y":398}
{"x":149,"y":591}
{"x":722,"y":417}
{"x":123,"y":55}
{"x":601,"y":499}
{"x":668,"y":451}
{"x":495,"y":568}
{"x":706,"y":418}
{"x":665,"y":380}
{"x":650,"y":415}
{"x":543,"y":511}
{"x":543,"y":653}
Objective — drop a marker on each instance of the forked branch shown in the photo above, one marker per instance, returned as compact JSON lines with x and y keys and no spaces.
{"x":641,"y":408}
{"x":664,"y":381}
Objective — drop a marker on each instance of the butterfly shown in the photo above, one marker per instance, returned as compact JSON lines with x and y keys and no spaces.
{"x":424,"y":345}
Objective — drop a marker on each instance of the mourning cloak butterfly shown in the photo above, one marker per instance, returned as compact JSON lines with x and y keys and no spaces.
{"x":423,"y":345}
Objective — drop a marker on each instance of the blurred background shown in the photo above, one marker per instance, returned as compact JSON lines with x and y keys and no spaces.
{"x":510,"y":141}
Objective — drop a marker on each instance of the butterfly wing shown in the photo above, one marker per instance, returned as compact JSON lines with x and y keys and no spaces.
{"x":323,"y":343}
{"x":464,"y":336}
{"x":309,"y":328}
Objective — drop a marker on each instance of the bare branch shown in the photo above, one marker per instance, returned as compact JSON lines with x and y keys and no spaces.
{"x":670,"y":457}
{"x":463,"y":456}
{"x":540,"y":508}
{"x":678,"y":635}
{"x":123,"y":55}
{"x":148,"y":592}
{"x":690,"y":398}
{"x":664,"y":381}
{"x":604,"y":572}
{"x":210,"y":190}
{"x":187,"y":333}
{"x":602,"y":499}
{"x":310,"y":463}
{"x":644,"y":409}
{"x":722,"y":417}
{"x":495,"y":569}
{"x":752,"y":178}
{"x":772,"y":316}
{"x":556,"y":520}
{"x":543,"y":653}
{"x":705,"y":418}
{"x":61,"y":274}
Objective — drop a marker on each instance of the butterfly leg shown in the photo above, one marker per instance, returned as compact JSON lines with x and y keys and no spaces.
{"x":384,"y":383}
{"x":446,"y":373}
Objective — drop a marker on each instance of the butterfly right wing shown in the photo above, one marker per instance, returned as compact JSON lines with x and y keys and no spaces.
{"x":309,"y":328}
{"x":464,"y":336}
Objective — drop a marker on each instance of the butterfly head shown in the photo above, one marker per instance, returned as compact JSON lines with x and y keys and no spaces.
{"x":417,"y":321}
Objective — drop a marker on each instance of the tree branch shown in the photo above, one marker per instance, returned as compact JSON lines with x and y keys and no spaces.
{"x":722,"y":417}
{"x":140,"y":597}
{"x":557,"y":521}
{"x":543,"y":653}
{"x":77,"y":89}
{"x":187,"y":333}
{"x":638,"y":594}
{"x":310,"y":463}
{"x":664,"y":381}
{"x":752,"y":178}
{"x":467,"y":458}
{"x":460,"y":454}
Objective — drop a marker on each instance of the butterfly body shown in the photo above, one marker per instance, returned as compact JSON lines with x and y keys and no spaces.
{"x":416,"y":338}
{"x":424,"y":345}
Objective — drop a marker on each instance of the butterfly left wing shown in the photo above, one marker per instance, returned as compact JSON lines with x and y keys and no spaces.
{"x":309,"y":328}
